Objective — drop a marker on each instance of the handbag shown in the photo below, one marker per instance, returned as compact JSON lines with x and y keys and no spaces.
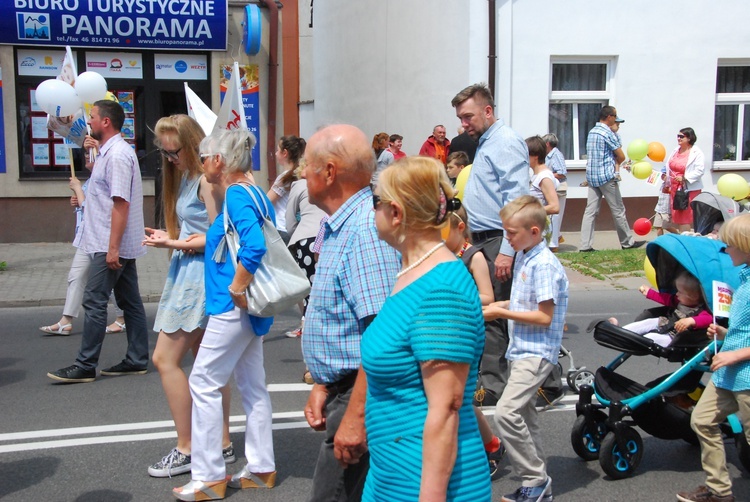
{"x":278,"y":283}
{"x":681,"y":199}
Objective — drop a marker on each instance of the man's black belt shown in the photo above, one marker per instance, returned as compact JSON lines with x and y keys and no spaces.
{"x":478,"y":237}
{"x":343,"y":384}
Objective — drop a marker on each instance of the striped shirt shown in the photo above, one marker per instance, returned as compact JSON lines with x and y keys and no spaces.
{"x":116,"y":173}
{"x":600,"y":146}
{"x":355,"y":273}
{"x":737,"y":376}
{"x":537,"y":277}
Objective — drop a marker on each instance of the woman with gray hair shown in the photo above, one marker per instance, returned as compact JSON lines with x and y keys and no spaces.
{"x":556,"y":161}
{"x":232,"y":342}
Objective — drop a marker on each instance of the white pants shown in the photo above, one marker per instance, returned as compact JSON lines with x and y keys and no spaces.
{"x":557,"y":220}
{"x":77,"y":277}
{"x":647,"y":327}
{"x":229,"y":345}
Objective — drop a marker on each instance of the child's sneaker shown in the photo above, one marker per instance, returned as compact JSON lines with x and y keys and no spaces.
{"x":542,"y":493}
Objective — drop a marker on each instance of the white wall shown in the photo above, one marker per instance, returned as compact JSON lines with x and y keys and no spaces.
{"x":394,"y":66}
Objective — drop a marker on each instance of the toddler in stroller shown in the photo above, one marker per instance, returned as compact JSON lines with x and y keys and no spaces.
{"x":605,"y":428}
{"x":687,"y":311}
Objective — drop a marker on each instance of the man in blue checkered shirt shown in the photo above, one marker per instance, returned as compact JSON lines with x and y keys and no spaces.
{"x":604,"y":153}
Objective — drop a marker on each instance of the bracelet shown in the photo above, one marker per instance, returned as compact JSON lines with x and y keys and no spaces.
{"x":235,"y":293}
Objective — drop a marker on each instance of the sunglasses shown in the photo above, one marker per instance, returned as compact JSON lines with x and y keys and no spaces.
{"x":170,"y":154}
{"x":680,"y":136}
{"x":204,"y":156}
{"x":375,"y":201}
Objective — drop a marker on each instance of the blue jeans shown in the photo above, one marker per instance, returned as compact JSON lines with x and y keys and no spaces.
{"x":125,"y":283}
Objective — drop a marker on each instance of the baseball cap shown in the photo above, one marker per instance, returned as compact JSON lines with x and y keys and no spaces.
{"x":619,"y":120}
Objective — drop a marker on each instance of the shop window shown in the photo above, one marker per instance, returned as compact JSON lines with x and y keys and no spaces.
{"x":578,"y":90}
{"x":43,"y":154}
{"x":732,"y":116}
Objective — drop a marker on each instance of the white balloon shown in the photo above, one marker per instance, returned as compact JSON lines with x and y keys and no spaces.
{"x":45,"y":92}
{"x":58,"y":98}
{"x":91,"y":87}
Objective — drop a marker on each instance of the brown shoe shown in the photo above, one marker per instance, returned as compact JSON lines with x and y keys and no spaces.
{"x":703,"y":494}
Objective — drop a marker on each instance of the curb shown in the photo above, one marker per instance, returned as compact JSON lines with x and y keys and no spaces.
{"x":58,"y":302}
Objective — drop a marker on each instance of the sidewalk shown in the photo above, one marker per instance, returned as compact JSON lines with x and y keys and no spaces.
{"x":37,"y":273}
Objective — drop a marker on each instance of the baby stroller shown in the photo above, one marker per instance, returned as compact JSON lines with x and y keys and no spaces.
{"x":606,"y":430}
{"x":710,"y":209}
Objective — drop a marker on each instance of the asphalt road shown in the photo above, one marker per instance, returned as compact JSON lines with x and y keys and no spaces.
{"x":93,"y":442}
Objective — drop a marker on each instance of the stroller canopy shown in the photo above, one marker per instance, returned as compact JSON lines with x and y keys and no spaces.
{"x":701,"y":256}
{"x":710,"y":208}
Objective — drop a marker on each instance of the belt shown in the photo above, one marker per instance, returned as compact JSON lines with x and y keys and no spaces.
{"x":478,"y":237}
{"x":343,"y":384}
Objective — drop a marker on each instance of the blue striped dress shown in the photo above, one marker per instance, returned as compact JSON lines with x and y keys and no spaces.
{"x":437,"y":317}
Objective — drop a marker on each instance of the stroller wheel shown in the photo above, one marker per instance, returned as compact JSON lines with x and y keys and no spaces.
{"x":621,"y":463}
{"x":743,"y":450}
{"x":580,"y":378}
{"x":586,"y":438}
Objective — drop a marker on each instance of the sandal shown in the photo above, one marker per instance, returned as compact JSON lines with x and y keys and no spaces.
{"x":111,"y":331}
{"x":62,"y":329}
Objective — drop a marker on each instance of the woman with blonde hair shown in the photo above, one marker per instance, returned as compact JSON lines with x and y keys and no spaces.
{"x":421,"y":353}
{"x":188,"y":204}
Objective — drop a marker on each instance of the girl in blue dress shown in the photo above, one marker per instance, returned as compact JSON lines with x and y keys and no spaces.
{"x":421,"y":353}
{"x":188,"y":204}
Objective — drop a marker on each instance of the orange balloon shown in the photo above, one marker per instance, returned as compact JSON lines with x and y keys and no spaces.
{"x":656,"y":151}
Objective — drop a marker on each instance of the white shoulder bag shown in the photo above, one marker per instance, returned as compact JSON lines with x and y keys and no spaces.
{"x":279,"y":283}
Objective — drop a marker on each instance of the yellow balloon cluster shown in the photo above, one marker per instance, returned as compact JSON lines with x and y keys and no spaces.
{"x":733,"y":186}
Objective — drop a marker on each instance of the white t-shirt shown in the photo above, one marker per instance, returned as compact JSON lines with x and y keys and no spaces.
{"x":280,"y":205}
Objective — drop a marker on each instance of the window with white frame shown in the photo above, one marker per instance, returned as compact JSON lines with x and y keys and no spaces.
{"x":732,"y":113}
{"x":579,"y":89}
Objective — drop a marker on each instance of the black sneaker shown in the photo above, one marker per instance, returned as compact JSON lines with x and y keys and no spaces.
{"x":123,"y":368}
{"x":494,"y":459}
{"x":635,"y":245}
{"x":547,"y":399}
{"x":589,"y":250}
{"x":73,"y":374}
{"x":228,"y":454}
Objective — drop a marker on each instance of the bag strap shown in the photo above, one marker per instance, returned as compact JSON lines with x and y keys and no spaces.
{"x":220,"y":255}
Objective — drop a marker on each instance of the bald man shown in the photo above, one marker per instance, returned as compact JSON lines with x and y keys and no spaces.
{"x":354,"y":274}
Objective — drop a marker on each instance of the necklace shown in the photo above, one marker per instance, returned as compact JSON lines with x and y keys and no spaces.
{"x":421,"y":260}
{"x":463,"y":249}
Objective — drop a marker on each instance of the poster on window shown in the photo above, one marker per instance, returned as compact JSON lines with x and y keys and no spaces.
{"x":115,"y":64}
{"x":40,"y":154}
{"x":127,"y":101}
{"x":250,"y":89}
{"x":62,"y":154}
{"x":128,"y":129}
{"x":39,"y":128}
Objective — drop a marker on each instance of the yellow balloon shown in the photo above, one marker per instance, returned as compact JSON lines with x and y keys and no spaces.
{"x":461,"y":180}
{"x":733,"y":186}
{"x":641,"y":170}
{"x":650,"y":272}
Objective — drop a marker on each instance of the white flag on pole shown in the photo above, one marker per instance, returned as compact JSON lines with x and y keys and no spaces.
{"x":722,"y":295}
{"x":232,"y":113}
{"x":73,"y":129}
{"x":200,"y":111}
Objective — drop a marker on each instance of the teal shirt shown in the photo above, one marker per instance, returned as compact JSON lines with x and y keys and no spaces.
{"x":437,"y":317}
{"x":737,"y":376}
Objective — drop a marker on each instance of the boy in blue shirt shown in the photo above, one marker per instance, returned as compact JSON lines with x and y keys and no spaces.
{"x":729,"y":389}
{"x":536,"y":316}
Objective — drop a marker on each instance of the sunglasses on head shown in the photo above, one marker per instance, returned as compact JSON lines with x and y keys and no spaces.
{"x":170,"y":154}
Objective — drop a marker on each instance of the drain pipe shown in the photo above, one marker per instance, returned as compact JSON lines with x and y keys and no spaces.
{"x":273,"y":77}
{"x":492,"y":54}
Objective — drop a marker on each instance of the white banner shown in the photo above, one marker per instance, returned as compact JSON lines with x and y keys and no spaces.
{"x":232,"y":112}
{"x":198,"y":110}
